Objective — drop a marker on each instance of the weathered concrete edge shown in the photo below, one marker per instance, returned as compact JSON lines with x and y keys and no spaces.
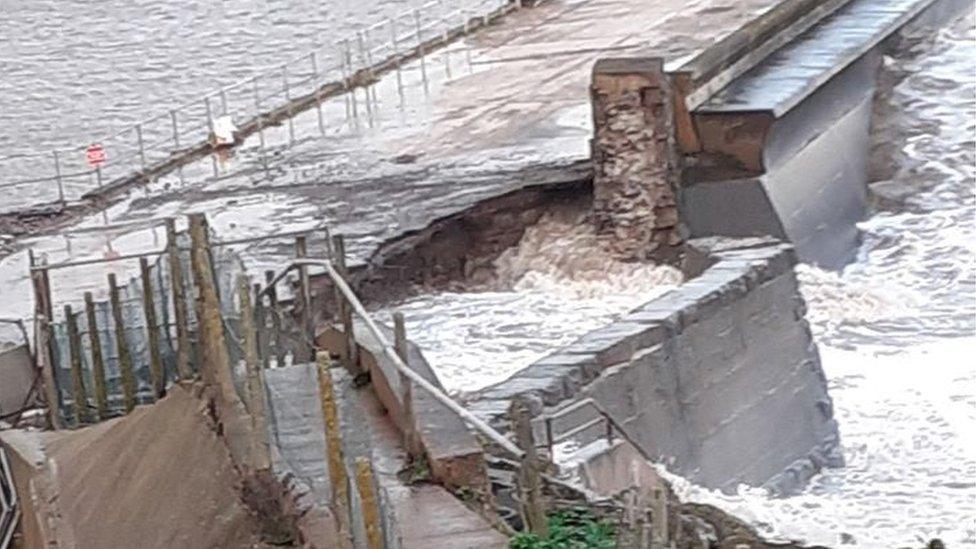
{"x":454,"y":454}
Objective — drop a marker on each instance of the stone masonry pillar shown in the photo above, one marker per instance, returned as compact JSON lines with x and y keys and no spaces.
{"x":634,"y":159}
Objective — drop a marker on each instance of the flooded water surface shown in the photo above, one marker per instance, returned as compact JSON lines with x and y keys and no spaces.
{"x":895,"y":330}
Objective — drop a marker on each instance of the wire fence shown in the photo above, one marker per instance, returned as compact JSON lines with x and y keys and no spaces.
{"x":150,"y":146}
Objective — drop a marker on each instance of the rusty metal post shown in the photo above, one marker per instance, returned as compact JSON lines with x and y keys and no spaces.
{"x":533,"y":506}
{"x":180,"y":313}
{"x":157,"y":375}
{"x":98,"y":361}
{"x":122,"y":347}
{"x":276,"y":344}
{"x":333,"y":447}
{"x":370,"y":503}
{"x":78,"y":392}
{"x":350,"y":351}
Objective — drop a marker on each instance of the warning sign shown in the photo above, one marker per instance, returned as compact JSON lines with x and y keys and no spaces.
{"x":95,"y":155}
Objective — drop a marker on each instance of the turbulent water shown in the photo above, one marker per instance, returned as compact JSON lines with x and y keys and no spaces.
{"x":895,"y":328}
{"x":555,"y":286}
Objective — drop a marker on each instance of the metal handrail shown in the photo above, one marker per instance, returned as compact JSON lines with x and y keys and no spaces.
{"x":612,"y":425}
{"x":390,"y":352}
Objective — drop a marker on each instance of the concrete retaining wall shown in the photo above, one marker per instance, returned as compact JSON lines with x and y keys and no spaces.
{"x":719,"y":378}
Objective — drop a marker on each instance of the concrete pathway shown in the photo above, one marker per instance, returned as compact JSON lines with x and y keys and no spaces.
{"x":297,"y":428}
{"x":506,"y":108}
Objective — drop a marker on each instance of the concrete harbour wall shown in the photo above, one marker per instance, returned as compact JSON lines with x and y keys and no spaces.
{"x":719,"y":379}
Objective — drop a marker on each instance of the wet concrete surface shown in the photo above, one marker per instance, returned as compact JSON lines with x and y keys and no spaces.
{"x":506,"y":108}
{"x":74,"y":73}
{"x":785,"y":78}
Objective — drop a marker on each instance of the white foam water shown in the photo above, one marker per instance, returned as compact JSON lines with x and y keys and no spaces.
{"x":555,"y":286}
{"x":895,"y":328}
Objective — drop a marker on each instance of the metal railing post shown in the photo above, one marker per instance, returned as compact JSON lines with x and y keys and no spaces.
{"x":176,"y":129}
{"x":420,"y":50}
{"x":549,"y":442}
{"x":288,"y":106}
{"x":259,"y":116}
{"x":395,"y":42}
{"x":318,"y":91}
{"x":142,"y":147}
{"x":361,"y":42}
{"x":370,"y":69}
{"x":444,"y":21}
{"x":57,"y":176}
{"x":223,"y":101}
{"x":213,"y":135}
{"x":347,"y":59}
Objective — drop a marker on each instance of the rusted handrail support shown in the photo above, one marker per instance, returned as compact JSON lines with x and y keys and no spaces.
{"x":611,"y":422}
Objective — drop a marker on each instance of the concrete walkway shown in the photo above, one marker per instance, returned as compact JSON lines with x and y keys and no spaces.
{"x":506,"y":108}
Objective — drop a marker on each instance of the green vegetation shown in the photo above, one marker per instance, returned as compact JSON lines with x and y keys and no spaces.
{"x":416,"y":472}
{"x":569,"y":529}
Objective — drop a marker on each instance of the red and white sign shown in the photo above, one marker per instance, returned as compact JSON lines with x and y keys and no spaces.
{"x":95,"y":155}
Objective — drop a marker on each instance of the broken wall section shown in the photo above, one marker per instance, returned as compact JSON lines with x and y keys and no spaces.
{"x":634,"y":158}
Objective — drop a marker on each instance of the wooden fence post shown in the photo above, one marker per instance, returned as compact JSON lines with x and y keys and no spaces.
{"x":180,"y":313}
{"x":43,"y":342}
{"x":215,"y":360}
{"x":333,"y":448}
{"x":252,"y":363}
{"x":122,"y":348}
{"x":305,"y":298}
{"x":350,"y":351}
{"x":279,"y":351}
{"x":370,"y":504}
{"x":529,"y":481}
{"x":98,"y":361}
{"x":157,"y":375}
{"x":413,"y":446}
{"x":261,"y":326}
{"x":77,"y":376}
